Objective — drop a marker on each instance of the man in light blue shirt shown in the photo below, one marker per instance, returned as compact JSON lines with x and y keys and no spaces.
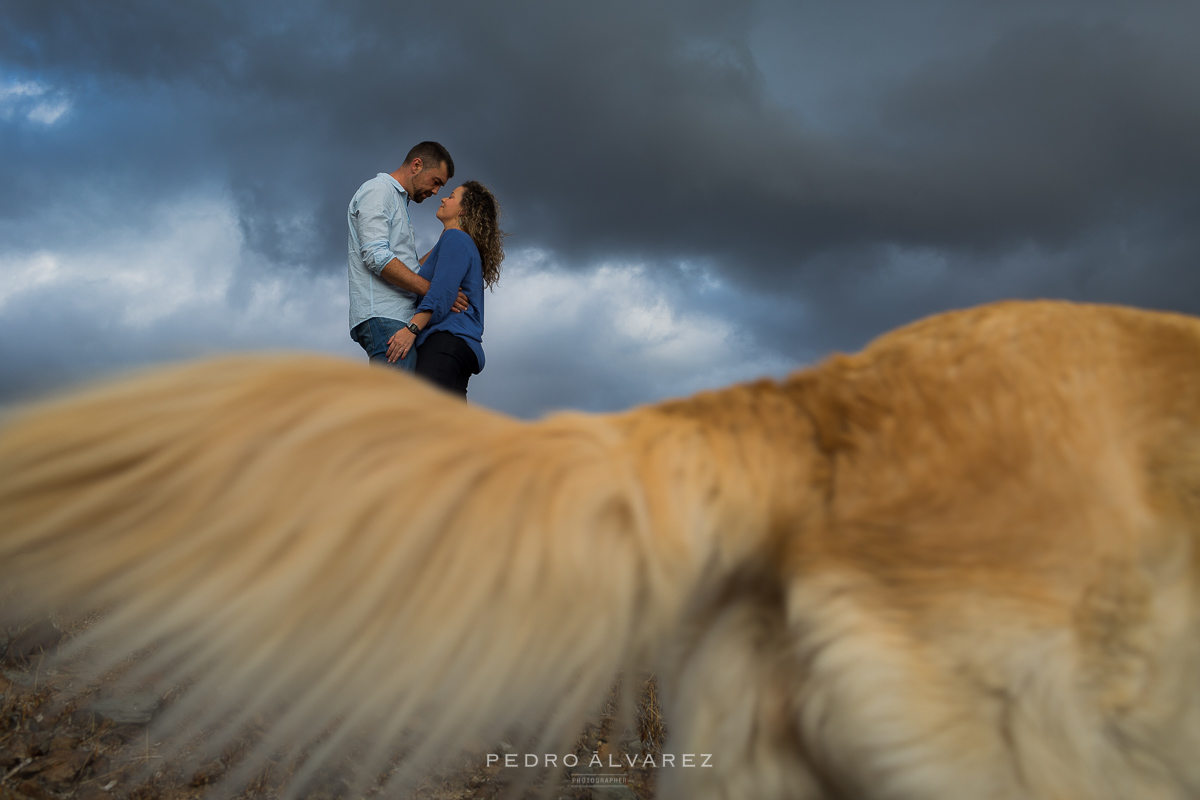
{"x":383,"y":265}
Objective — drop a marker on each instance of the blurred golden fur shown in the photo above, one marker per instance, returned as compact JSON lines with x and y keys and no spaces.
{"x":960,"y":564}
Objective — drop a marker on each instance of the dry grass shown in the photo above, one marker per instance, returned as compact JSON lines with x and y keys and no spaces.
{"x":52,"y":746}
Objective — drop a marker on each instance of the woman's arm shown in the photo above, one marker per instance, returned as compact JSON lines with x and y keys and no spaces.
{"x":454,"y":256}
{"x":402,"y":340}
{"x":450,"y":267}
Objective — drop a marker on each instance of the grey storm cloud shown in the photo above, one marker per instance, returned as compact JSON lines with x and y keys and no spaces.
{"x":977,"y":151}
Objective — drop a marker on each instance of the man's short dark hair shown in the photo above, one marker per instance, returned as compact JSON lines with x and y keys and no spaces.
{"x":432,"y":154}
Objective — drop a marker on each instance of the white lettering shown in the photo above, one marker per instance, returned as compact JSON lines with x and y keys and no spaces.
{"x":611,"y":764}
{"x":595,"y":762}
{"x":492,"y":758}
{"x":574,"y":760}
{"x":552,"y":760}
{"x":631,"y":760}
{"x":707,"y":756}
{"x":529,"y":756}
{"x":648,"y":760}
{"x":510,"y":759}
{"x":668,"y":757}
{"x":687,"y":759}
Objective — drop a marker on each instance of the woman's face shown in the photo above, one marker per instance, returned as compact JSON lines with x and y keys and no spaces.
{"x":451,"y":206}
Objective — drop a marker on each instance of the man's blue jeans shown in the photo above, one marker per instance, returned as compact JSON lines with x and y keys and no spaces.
{"x":373,"y":334}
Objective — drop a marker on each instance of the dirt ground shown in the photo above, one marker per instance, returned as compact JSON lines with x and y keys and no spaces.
{"x":77,"y":748}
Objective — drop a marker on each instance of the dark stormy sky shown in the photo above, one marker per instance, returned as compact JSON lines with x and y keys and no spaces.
{"x":697,"y":192}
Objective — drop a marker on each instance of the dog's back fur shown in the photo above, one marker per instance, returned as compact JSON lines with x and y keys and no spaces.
{"x":961,"y":563}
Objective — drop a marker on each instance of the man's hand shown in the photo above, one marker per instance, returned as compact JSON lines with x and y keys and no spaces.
{"x":460,"y":303}
{"x":399,"y":345}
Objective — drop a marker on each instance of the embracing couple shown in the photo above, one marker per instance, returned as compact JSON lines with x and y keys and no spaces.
{"x":423,"y":314}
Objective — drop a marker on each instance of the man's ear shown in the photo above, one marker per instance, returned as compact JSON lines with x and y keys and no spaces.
{"x":415,"y":166}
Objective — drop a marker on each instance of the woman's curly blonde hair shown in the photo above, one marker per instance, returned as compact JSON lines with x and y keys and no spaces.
{"x":480,"y":219}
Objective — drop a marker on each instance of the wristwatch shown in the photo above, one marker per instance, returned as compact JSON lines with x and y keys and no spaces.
{"x":412,"y":327}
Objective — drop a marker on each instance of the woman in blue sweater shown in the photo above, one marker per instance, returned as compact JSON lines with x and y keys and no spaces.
{"x":467,"y":257}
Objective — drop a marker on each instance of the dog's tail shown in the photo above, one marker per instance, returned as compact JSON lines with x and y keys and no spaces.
{"x":350,"y":550}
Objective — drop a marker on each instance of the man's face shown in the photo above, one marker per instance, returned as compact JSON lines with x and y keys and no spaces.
{"x":427,"y":180}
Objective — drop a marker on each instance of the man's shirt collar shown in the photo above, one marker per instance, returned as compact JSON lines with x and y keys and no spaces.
{"x":397,"y":184}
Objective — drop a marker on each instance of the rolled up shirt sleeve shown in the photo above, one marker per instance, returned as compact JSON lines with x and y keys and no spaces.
{"x":376,"y":255}
{"x":373,"y":220}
